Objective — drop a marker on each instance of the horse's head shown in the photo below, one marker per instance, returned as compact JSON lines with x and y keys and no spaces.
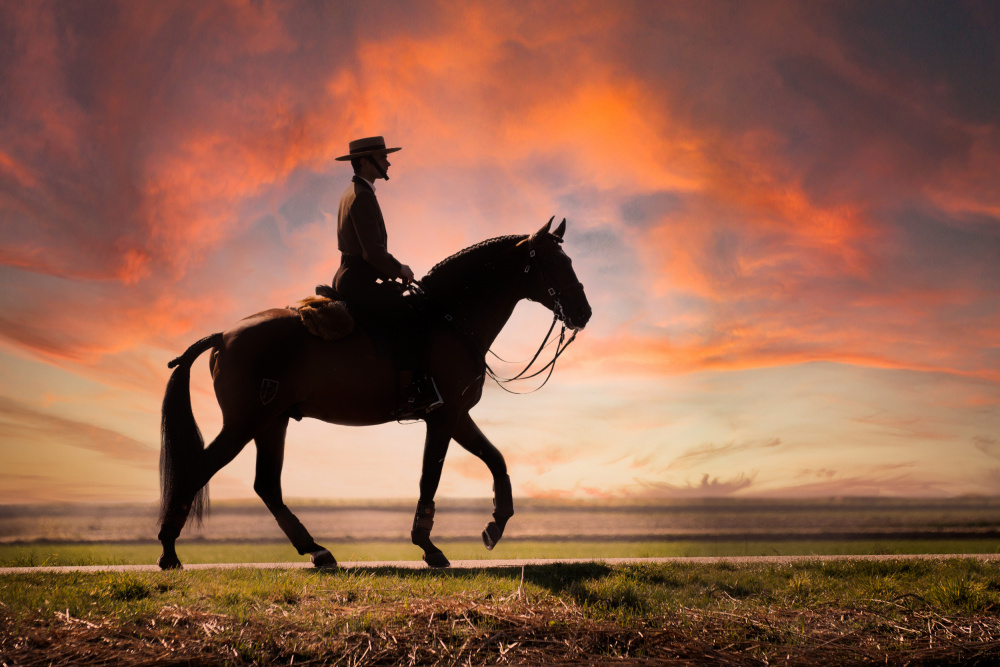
{"x":552,"y":281}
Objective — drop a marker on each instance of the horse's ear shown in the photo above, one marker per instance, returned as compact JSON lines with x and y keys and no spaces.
{"x":545,"y":229}
{"x":560,"y":230}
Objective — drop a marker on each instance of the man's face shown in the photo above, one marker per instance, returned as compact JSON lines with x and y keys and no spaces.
{"x":382,"y":161}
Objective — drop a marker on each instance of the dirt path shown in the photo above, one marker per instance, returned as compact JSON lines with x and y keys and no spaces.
{"x":516,"y":562}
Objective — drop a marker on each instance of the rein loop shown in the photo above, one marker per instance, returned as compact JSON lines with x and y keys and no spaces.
{"x":551,"y":366}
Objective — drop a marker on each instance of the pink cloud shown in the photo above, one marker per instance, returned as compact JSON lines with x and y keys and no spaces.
{"x":746,"y":187}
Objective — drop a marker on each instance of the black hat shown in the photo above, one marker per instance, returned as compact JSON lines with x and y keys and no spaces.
{"x":367,"y":146}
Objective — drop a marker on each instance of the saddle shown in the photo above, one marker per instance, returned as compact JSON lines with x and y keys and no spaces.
{"x":330,"y":316}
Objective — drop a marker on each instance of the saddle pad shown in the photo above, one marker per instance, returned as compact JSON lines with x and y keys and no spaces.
{"x":326,"y":318}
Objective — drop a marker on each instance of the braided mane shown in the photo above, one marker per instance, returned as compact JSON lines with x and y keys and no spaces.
{"x":456,"y":271}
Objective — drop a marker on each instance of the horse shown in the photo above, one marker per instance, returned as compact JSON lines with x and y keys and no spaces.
{"x":268,"y":369}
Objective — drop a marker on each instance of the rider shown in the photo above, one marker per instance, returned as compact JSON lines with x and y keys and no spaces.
{"x":367,"y":273}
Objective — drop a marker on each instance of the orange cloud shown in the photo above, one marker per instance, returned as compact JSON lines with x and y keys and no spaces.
{"x":10,"y":166}
{"x":746,"y":187}
{"x":27,"y":427}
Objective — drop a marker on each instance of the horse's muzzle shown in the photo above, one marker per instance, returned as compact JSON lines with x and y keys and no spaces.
{"x":577,"y":325}
{"x":578,"y":313}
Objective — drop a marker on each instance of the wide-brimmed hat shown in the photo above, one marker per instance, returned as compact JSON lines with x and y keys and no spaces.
{"x":367,"y":146}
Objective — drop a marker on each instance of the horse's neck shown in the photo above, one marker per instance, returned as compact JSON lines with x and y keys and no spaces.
{"x":483,"y":311}
{"x":486,"y":314}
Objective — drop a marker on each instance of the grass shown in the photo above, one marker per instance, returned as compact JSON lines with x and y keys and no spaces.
{"x":195,"y":551}
{"x":837,"y":612}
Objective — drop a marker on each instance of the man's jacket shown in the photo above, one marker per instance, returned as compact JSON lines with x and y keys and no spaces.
{"x":361,"y":229}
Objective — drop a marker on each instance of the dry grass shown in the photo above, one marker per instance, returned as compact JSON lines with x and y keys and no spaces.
{"x":557,"y":617}
{"x":460,"y":631}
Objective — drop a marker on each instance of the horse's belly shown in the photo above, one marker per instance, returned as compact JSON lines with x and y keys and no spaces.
{"x":348,"y":382}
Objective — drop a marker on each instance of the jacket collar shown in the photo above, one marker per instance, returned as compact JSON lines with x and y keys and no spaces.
{"x":358,"y":179}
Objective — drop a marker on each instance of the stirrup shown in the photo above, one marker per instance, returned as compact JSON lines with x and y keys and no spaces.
{"x":435,"y":401}
{"x":421,"y":402}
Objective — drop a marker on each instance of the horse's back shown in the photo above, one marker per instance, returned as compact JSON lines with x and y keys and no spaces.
{"x":270,"y":321}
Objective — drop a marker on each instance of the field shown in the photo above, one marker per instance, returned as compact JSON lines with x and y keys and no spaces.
{"x":835,"y":612}
{"x":379,"y":530}
{"x":813,"y":612}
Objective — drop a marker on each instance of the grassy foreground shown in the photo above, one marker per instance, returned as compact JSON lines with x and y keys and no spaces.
{"x":835,"y":612}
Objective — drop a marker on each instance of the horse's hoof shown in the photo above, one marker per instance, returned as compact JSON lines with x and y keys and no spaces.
{"x":166,"y":563}
{"x":436,"y":559}
{"x":491,"y":535}
{"x":323,"y":558}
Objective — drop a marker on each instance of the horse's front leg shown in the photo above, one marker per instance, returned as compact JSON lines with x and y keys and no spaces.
{"x":468,"y":435}
{"x":435,"y":449}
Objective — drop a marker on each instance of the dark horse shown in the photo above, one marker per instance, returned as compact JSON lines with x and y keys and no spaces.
{"x":270,"y":368}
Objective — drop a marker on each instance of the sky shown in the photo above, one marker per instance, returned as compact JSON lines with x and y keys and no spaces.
{"x":786,"y":216}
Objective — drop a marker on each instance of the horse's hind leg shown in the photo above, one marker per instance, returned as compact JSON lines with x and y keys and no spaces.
{"x":270,"y":458}
{"x":468,"y":435}
{"x":223,"y":449}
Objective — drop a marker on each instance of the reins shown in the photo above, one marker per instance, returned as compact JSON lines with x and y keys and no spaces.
{"x":545,"y":343}
{"x":551,"y":366}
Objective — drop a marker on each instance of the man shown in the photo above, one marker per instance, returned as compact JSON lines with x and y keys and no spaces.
{"x":367,"y":273}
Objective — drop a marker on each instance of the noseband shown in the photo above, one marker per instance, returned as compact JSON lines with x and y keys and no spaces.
{"x":554,"y":292}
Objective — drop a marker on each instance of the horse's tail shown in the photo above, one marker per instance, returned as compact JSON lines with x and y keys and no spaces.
{"x":181,"y":444}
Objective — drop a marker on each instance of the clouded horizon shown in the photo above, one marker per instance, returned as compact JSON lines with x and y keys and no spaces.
{"x":786,"y":216}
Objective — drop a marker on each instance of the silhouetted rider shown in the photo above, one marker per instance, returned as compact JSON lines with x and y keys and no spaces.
{"x":367,"y":272}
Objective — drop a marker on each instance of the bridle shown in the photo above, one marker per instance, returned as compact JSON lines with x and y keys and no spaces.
{"x":558,"y":315}
{"x":554,"y":292}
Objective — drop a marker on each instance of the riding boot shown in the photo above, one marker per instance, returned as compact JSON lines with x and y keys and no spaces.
{"x":418,"y":395}
{"x":405,"y":389}
{"x":427,"y":398}
{"x":406,"y":397}
{"x":418,"y":391}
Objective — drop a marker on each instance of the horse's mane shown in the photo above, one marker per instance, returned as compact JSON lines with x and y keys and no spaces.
{"x":457,"y":271}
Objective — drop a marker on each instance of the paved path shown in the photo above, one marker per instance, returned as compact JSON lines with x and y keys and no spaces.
{"x":489,"y":564}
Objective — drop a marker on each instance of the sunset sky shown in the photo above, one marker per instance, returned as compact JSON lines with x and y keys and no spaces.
{"x":786,"y":216}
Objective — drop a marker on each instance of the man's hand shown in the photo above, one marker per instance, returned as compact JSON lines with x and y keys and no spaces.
{"x":406,"y":274}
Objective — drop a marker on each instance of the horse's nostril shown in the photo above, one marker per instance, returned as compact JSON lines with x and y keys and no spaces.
{"x":578,"y":323}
